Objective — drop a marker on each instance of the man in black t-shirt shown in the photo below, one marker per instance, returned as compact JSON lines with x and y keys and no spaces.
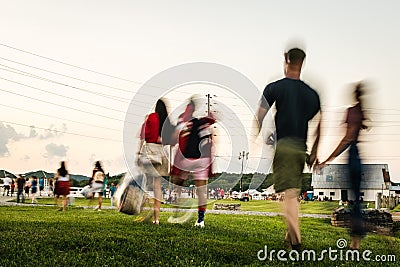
{"x":296,"y":104}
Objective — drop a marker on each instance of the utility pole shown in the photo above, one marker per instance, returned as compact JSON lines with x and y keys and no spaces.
{"x":208,"y":104}
{"x":242,"y":156}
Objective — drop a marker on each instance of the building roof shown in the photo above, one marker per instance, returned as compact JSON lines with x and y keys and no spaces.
{"x":336,"y":176}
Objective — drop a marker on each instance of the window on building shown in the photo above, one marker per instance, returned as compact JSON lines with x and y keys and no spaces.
{"x":331,"y":193}
{"x":361,"y":194}
{"x":321,"y":193}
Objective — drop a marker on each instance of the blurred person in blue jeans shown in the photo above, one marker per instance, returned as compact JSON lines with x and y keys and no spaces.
{"x":113,"y":188}
{"x":34,"y":187}
{"x":41,"y":186}
{"x":355,"y":123}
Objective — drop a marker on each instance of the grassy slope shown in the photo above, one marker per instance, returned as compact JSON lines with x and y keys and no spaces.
{"x":42,"y":236}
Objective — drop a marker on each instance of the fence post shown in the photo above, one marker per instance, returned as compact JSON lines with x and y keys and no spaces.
{"x":378,"y":201}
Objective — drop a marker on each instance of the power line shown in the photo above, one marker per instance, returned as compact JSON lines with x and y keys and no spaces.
{"x":105,"y":95}
{"x":116,"y":98}
{"x":75,"y":66}
{"x":64,"y":96}
{"x":60,"y":118}
{"x":108,"y":75}
{"x":35,"y":76}
{"x":58,"y":105}
{"x":26,"y":74}
{"x":65,"y":76}
{"x":67,"y":64}
{"x":62,"y":132}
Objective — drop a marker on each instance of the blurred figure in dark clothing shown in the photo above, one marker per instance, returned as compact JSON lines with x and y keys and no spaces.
{"x":355,"y":123}
{"x":20,"y":189}
{"x":296,"y":105}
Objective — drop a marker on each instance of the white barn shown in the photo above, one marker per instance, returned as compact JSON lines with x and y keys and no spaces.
{"x":333,"y":181}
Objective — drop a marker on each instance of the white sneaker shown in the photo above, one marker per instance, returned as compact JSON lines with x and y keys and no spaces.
{"x":201,"y":224}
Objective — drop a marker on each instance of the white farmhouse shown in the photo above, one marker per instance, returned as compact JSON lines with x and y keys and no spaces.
{"x":333,"y":181}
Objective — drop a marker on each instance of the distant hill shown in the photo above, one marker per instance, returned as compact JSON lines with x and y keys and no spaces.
{"x":44,"y":174}
{"x":79,"y":177}
{"x":39,"y":174}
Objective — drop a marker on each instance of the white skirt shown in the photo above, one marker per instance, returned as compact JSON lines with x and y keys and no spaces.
{"x":97,"y":187}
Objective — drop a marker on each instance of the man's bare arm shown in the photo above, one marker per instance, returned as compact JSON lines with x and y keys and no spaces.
{"x":314,"y":150}
{"x":261,"y":113}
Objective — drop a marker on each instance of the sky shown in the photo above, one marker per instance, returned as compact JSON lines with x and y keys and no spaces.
{"x":71,"y":70}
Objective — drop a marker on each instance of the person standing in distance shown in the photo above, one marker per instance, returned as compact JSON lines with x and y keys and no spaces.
{"x":63,"y":179}
{"x":97,"y":183}
{"x":7,"y":182}
{"x":20,"y":189}
{"x":296,"y":104}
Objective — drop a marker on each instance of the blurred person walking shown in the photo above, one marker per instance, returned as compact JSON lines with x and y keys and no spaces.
{"x":97,"y":183}
{"x":113,"y":188}
{"x":355,"y":123}
{"x":41,"y":185}
{"x":55,"y":191}
{"x":12,"y":186}
{"x":63,"y":183}
{"x":27,"y":187}
{"x":193,"y":157}
{"x":20,"y":189}
{"x":34,"y":187}
{"x":105,"y":183}
{"x":51,"y":187}
{"x":296,"y":104}
{"x":6,"y":184}
{"x":155,"y":133}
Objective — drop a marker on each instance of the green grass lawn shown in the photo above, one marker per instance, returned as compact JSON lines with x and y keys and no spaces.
{"x":43,"y":236}
{"x":396,"y":209}
{"x":306,"y":207}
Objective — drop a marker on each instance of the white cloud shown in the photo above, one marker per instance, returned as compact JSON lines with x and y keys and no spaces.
{"x":54,"y":150}
{"x":7,"y":134}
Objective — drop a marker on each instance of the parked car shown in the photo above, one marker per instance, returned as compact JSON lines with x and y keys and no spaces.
{"x":255,"y":195}
{"x":244,"y":196}
{"x":235,"y":195}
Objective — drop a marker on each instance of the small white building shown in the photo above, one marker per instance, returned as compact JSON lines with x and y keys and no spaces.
{"x":269,"y":191}
{"x":333,"y":181}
